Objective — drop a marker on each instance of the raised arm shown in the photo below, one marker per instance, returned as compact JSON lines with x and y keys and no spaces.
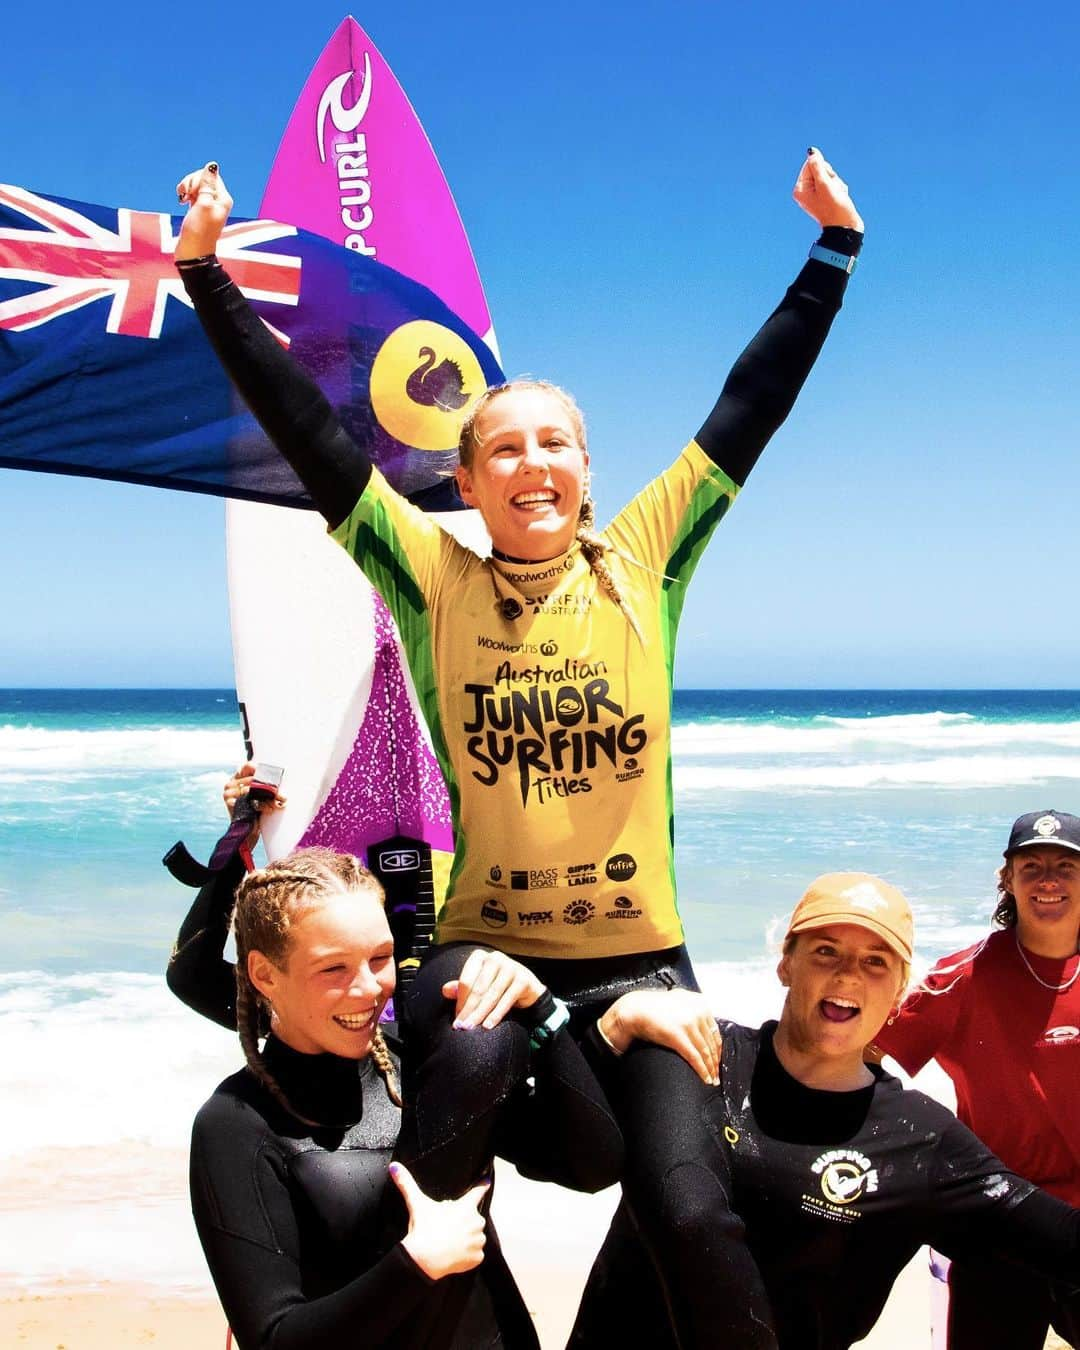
{"x":290,"y":407}
{"x":198,"y":973}
{"x":765,"y":381}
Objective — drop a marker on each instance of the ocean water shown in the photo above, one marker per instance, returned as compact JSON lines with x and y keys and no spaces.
{"x":102,"y":1069}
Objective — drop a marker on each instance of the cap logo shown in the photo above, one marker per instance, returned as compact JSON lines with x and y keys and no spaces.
{"x":865,"y":896}
{"x":1046,"y":825}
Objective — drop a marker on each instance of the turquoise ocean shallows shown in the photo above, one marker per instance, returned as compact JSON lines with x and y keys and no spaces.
{"x":771,"y":789}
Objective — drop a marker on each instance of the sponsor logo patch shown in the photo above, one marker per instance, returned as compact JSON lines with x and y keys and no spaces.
{"x":493,"y":912}
{"x":578,"y":911}
{"x":399,"y":860}
{"x":620,"y":867}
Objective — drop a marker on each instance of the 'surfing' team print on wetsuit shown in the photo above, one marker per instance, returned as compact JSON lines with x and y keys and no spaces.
{"x":549,"y":716}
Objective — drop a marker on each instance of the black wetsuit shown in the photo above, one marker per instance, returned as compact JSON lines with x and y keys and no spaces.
{"x":827,"y":1194}
{"x":300,"y":1226}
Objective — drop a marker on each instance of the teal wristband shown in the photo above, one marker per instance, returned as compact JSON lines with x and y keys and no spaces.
{"x":845,"y":261}
{"x":552,"y":1023}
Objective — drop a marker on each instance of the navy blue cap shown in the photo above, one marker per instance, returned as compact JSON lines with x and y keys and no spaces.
{"x":1045,"y":827}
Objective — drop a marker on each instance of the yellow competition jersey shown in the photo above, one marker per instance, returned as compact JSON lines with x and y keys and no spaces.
{"x":551,"y":720}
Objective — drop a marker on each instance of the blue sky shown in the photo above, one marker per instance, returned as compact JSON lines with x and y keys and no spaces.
{"x":624,"y":175}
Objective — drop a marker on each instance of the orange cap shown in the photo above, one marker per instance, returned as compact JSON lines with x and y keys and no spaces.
{"x":859,"y":898}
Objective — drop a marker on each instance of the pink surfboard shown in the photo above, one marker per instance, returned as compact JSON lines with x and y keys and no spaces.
{"x":335,"y":705}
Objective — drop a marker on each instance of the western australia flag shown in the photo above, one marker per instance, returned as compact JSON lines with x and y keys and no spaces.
{"x":105,"y":371}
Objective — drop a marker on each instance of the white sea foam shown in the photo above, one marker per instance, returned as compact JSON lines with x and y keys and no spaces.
{"x":97,"y":1060}
{"x":857,"y":736}
{"x":29,"y":753}
{"x":971,"y":771}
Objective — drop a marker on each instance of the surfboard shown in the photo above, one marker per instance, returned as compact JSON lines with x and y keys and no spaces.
{"x":323,"y":685}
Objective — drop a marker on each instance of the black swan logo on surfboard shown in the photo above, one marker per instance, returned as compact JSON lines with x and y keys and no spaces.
{"x":437,"y":386}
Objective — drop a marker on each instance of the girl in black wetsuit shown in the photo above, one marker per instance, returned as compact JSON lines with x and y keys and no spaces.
{"x":544,"y":673}
{"x":821,"y":1175}
{"x":307,"y":1245}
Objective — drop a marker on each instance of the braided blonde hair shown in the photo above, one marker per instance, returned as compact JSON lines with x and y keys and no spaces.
{"x":593,"y":544}
{"x":268,"y":902}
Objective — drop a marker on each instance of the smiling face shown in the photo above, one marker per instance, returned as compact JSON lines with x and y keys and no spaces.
{"x":337,"y":974}
{"x":1045,"y":881}
{"x":843,"y":981}
{"x":526,"y":472}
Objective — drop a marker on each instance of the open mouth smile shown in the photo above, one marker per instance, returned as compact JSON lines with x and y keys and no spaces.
{"x":534,"y":501}
{"x":355,"y":1021}
{"x":839,"y":1009}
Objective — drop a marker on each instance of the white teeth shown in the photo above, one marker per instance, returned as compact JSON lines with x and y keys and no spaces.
{"x":843,"y":1002}
{"x":534,"y":498}
{"x":355,"y":1021}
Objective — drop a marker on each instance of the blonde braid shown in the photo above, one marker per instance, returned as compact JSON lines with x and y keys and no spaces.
{"x":593,"y":548}
{"x":380,"y":1054}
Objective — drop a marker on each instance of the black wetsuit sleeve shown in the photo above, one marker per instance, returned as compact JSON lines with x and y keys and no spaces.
{"x":979,"y":1208}
{"x":247,"y":1224}
{"x":289,"y":406}
{"x":765,"y":381}
{"x":563,"y":1130}
{"x":197,"y":972}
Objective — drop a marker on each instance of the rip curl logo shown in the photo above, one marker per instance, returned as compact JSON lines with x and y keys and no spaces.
{"x":1046,"y":826}
{"x":1064,"y":1035}
{"x":845,"y":1176}
{"x":356,"y":212}
{"x":578,"y":911}
{"x":550,"y":726}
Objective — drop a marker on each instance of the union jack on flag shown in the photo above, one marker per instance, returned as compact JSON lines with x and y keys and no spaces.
{"x":79,"y":261}
{"x":83,"y":391}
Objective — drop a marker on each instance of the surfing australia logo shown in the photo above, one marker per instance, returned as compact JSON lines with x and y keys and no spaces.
{"x":844,"y":1175}
{"x":350,"y":156}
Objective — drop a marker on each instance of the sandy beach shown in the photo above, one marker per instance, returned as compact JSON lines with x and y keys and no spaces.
{"x":550,"y":1236}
